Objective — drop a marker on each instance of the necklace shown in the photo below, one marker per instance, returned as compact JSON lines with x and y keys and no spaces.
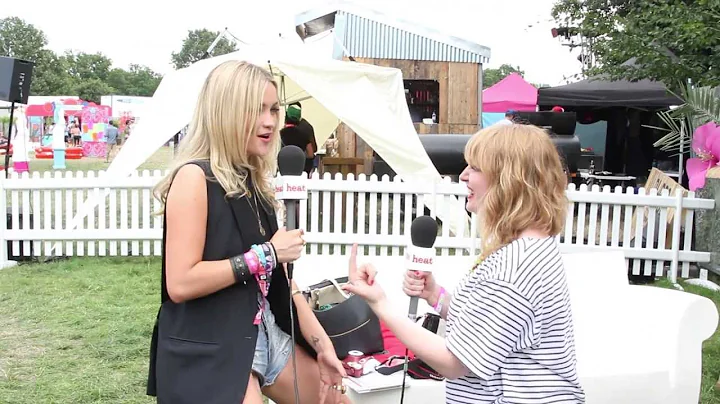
{"x":257,"y":211}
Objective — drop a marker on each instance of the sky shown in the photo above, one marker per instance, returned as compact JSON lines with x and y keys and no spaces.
{"x":147,"y":31}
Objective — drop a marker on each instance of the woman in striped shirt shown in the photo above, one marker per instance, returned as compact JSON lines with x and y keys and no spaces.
{"x":509,"y":335}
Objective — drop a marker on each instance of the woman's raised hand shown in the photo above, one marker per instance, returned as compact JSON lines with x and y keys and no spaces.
{"x":288,"y":244}
{"x":362,"y":280}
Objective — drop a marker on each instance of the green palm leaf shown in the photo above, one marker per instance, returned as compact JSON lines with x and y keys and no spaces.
{"x":701,"y":105}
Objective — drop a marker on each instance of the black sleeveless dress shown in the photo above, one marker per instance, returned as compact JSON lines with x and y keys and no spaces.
{"x":202,"y":350}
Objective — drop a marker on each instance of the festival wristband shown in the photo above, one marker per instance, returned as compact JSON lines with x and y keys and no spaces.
{"x":273,"y":252}
{"x":252,"y":261}
{"x":439,"y":304}
{"x":269,"y":256}
{"x":260,"y":254}
{"x":240,"y":269}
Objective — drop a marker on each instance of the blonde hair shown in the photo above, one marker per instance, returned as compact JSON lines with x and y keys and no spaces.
{"x":525,"y":183}
{"x":228,"y":107}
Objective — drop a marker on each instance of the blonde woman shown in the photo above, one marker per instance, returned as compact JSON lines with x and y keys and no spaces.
{"x":222,"y":332}
{"x":509,"y":335}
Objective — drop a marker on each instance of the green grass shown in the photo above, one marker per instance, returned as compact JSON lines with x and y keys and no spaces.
{"x":160,"y":160}
{"x":78,"y":331}
{"x":710,"y":394}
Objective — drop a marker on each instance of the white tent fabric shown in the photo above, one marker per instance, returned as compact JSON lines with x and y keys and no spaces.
{"x":369,"y":99}
{"x":20,"y":137}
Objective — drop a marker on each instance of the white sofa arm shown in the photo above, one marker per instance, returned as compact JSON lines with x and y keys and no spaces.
{"x":685,"y":321}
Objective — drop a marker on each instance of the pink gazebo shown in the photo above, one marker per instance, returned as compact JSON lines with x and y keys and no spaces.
{"x":512,"y":92}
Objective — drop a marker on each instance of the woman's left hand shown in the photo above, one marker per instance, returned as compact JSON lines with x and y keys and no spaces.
{"x":332,"y":373}
{"x":361,"y":281}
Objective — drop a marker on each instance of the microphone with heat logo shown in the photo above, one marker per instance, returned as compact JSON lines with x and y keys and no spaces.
{"x":290,"y":188}
{"x":420,"y":255}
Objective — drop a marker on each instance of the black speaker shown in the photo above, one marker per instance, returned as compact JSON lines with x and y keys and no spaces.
{"x":561,"y":123}
{"x":15,"y":76}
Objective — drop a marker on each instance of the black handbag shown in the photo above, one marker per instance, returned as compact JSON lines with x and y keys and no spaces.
{"x":347,"y":319}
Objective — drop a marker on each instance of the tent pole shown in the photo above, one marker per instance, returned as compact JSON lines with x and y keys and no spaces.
{"x":213,"y":44}
{"x":680,"y":158}
{"x":345,"y":49}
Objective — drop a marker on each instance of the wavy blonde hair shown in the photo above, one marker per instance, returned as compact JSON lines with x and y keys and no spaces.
{"x":525,"y":183}
{"x":227,"y":110}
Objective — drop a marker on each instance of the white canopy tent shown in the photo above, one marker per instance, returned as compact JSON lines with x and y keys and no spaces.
{"x":329,"y":91}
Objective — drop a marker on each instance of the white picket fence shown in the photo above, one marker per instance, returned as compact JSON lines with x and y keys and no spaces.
{"x":375,"y":213}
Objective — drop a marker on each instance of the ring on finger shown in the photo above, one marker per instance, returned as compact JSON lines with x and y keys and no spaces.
{"x":341,"y":388}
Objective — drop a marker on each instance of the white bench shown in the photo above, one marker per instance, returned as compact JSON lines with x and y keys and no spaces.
{"x":635,"y":344}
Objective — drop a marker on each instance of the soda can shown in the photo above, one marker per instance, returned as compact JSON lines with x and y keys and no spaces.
{"x":354,"y":369}
{"x":354,"y":356}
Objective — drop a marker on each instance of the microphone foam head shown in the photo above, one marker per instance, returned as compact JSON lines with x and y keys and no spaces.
{"x":291,"y":160}
{"x":423,"y":231}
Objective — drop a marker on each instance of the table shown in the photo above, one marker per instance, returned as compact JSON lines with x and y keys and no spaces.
{"x":602,"y":178}
{"x":416,"y":391}
{"x":343,"y":165}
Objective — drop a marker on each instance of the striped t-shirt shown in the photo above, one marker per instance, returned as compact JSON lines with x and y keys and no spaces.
{"x":510,"y":324}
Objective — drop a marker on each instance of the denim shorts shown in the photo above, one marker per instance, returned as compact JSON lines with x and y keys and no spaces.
{"x":272,"y":350}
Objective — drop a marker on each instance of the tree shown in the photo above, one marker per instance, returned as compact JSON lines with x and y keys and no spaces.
{"x":92,"y":89}
{"x":91,"y":76}
{"x":88,"y":75}
{"x":665,"y":40}
{"x":21,"y":40}
{"x":88,"y":66}
{"x":493,"y":76}
{"x":138,"y":81}
{"x":144,"y":81}
{"x":196,"y":44}
{"x":119,"y":80}
{"x":51,"y":75}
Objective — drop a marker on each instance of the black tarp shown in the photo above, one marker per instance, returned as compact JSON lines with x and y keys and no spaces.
{"x":599,"y":93}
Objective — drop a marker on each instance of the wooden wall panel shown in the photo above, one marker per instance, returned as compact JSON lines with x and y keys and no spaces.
{"x":458,"y":110}
{"x":462,"y":93}
{"x":446,"y":129}
{"x":422,"y":70}
{"x":346,"y":141}
{"x":463,"y":129}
